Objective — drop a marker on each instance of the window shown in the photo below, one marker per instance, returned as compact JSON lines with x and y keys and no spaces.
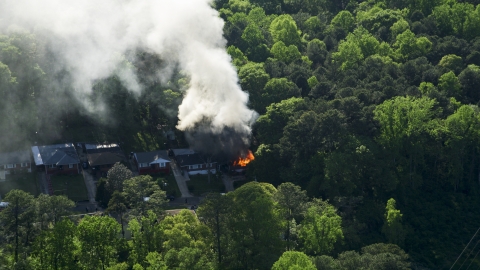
{"x":9,"y":166}
{"x":162,"y":165}
{"x":192,"y":167}
{"x":143,"y":165}
{"x":52,"y":166}
{"x":24,"y":164}
{"x":70,"y":166}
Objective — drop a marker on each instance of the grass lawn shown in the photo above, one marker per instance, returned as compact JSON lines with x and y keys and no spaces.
{"x":71,"y":185}
{"x":25,"y":181}
{"x":171,"y":188}
{"x":198,"y":184}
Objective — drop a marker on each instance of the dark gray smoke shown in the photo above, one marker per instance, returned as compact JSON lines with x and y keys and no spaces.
{"x":91,"y":38}
{"x":227,"y":145}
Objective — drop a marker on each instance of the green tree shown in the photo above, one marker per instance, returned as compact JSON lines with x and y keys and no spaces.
{"x":146,"y":238}
{"x":238,"y":6}
{"x":451,"y":16}
{"x":56,"y":249}
{"x":253,"y":77}
{"x":270,"y":125}
{"x":321,"y":229}
{"x":385,"y":256}
{"x":116,"y":176}
{"x":313,"y":28}
{"x":427,"y":88}
{"x":325,"y":262}
{"x":17,"y":218}
{"x":214,"y":212}
{"x":97,"y":241}
{"x":155,"y":262}
{"x":276,"y":90}
{"x":313,"y":132}
{"x":399,"y":27}
{"x":253,"y":210}
{"x":408,"y":46}
{"x":102,"y":195}
{"x":283,"y":53}
{"x":470,"y":80}
{"x":143,"y":194}
{"x":462,"y":129}
{"x":283,"y":28}
{"x":49,"y":209}
{"x":376,"y":257}
{"x":292,"y":201}
{"x":292,"y":260}
{"x":449,"y":84}
{"x":349,"y":55}
{"x":345,"y":20}
{"x":405,"y":123}
{"x":253,"y":35}
{"x":238,"y":58}
{"x":357,"y":46}
{"x":6,"y":79}
{"x":117,"y":206}
{"x":187,"y":242}
{"x":317,"y":51}
{"x":425,"y":6}
{"x":471,"y":26}
{"x":393,"y":228}
{"x":312,"y":81}
{"x":452,"y":62}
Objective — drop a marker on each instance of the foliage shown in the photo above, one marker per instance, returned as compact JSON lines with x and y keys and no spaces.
{"x":17,"y":219}
{"x":359,"y":102}
{"x":393,"y":228}
{"x":50,"y":209}
{"x":97,"y":238}
{"x":116,"y":176}
{"x":284,"y":29}
{"x":292,"y":201}
{"x":143,"y":194}
{"x":321,"y":229}
{"x":56,"y":249}
{"x":293,"y":260}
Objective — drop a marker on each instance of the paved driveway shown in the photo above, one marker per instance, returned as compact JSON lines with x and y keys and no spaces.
{"x":90,"y":184}
{"x":181,"y":181}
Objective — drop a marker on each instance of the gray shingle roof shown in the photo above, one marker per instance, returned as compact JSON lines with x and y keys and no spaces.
{"x":15,"y":157}
{"x":149,"y":157}
{"x":59,"y":154}
{"x":193,"y":159}
{"x":104,"y":154}
{"x":183,"y":151}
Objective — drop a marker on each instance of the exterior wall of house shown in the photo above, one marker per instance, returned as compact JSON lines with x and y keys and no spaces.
{"x":154,"y":170}
{"x":150,"y":170}
{"x":193,"y":172}
{"x":103,"y":168}
{"x":202,"y":169}
{"x":16,"y":168}
{"x":65,"y":170}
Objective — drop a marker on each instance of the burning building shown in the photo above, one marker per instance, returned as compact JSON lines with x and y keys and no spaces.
{"x":239,"y":165}
{"x":193,"y":162}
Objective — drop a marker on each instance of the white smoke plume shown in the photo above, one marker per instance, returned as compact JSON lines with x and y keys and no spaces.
{"x":89,"y":39}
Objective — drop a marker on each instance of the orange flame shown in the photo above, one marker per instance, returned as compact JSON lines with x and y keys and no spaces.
{"x":244,"y":161}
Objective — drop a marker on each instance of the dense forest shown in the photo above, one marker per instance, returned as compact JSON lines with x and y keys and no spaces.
{"x":366,"y":148}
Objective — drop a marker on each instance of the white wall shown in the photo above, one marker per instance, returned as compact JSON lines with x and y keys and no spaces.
{"x":202,"y":172}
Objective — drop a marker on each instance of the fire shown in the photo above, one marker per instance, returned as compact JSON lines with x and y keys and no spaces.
{"x":244,"y":161}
